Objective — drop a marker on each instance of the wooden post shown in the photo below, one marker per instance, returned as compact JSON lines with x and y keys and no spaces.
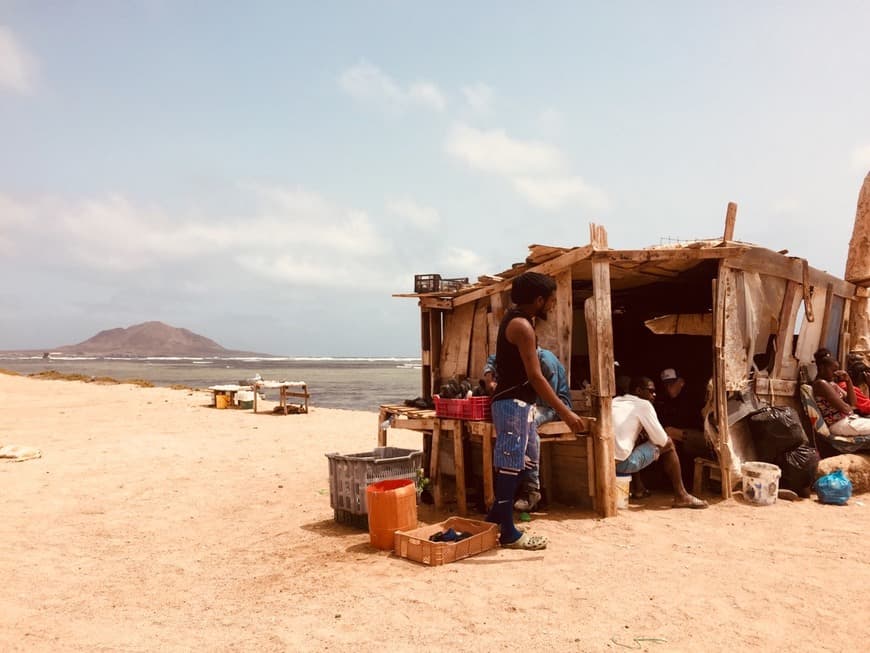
{"x":434,"y":472}
{"x":383,"y":415}
{"x":426,"y":354}
{"x":458,"y":465}
{"x":486,"y":446}
{"x":730,"y":218}
{"x":720,"y":398}
{"x":599,"y":325}
{"x":435,"y":350}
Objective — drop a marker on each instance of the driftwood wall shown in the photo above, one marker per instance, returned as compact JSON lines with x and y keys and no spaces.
{"x":456,"y":343}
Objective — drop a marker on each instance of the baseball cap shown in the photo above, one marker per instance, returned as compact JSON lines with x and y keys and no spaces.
{"x":669,"y":374}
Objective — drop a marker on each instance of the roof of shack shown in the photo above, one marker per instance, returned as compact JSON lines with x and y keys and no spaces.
{"x":628,"y":267}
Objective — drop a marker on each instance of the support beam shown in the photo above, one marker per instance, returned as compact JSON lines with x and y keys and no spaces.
{"x":730,"y":219}
{"x":721,"y":401}
{"x":600,"y":330}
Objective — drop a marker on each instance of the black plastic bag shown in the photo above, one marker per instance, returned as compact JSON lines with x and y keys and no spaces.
{"x":775,"y":430}
{"x":799,"y":469}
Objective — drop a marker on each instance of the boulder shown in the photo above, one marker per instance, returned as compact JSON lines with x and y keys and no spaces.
{"x":854,"y":465}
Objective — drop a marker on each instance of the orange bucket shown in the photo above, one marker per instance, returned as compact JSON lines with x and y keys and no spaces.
{"x":392,"y":506}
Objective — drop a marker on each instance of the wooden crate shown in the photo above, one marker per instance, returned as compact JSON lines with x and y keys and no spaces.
{"x":415,"y":544}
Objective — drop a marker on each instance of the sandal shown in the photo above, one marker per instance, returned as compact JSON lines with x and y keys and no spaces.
{"x":528,"y":542}
{"x":643,"y":494}
{"x":692,"y":502}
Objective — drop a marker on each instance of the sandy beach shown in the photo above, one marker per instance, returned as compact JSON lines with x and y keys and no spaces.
{"x":153,"y":522}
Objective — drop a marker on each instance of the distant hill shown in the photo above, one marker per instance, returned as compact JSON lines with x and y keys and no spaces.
{"x":149,"y":339}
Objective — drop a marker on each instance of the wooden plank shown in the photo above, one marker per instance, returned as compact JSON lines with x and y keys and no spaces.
{"x":497,"y":306}
{"x":435,"y":344}
{"x":455,"y":426}
{"x":479,"y":338}
{"x":425,"y":355}
{"x":486,"y":447}
{"x":413,"y":424}
{"x":686,"y":324}
{"x":720,"y":398}
{"x":826,"y":314}
{"x":434,"y":470}
{"x":564,"y":318}
{"x":669,"y":254}
{"x":567,"y":259}
{"x":765,"y":386}
{"x":764,"y":261}
{"x":436,"y":303}
{"x":456,"y":341}
{"x":559,"y":427}
{"x":730,"y":219}
{"x":791,"y":302}
{"x":600,"y":330}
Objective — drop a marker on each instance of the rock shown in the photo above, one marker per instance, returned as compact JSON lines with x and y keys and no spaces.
{"x":854,"y":465}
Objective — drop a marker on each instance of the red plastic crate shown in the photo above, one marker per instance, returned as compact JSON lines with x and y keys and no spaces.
{"x":476,"y":409}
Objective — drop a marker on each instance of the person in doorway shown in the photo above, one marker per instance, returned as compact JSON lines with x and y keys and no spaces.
{"x":520,"y":382}
{"x":682,"y":420}
{"x":633,"y":413}
{"x":557,"y":377}
{"x":837,"y":404}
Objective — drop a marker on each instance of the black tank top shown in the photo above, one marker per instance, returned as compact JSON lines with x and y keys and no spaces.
{"x":513,"y":382}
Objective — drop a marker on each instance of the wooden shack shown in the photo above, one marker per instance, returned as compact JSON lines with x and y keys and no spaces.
{"x":741,"y":317}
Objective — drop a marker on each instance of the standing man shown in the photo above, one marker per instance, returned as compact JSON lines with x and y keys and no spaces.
{"x":557,"y":377}
{"x":520,"y":382}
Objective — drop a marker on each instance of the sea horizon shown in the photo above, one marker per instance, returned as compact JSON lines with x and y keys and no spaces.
{"x":348,"y":382}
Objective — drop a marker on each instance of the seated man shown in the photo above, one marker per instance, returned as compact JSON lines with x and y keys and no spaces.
{"x":680,"y":414}
{"x":633,"y":413}
{"x":554,"y":372}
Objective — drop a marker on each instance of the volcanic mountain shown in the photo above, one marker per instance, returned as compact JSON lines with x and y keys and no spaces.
{"x":149,"y":339}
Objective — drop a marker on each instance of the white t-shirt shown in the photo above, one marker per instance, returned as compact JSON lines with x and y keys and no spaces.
{"x":632,"y":414}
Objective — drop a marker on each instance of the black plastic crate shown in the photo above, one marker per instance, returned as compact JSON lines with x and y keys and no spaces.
{"x":427,"y":282}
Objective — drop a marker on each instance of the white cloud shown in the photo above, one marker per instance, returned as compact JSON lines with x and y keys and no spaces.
{"x":428,"y":95}
{"x":861,"y":158}
{"x":495,"y":152}
{"x":423,"y":217}
{"x":479,"y":97}
{"x":555,"y":192}
{"x":465,"y":260}
{"x":536,"y":170}
{"x":289,"y":235}
{"x":17,"y":66}
{"x":369,"y":84}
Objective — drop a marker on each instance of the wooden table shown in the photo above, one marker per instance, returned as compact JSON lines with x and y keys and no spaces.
{"x":229,"y":389}
{"x":294,"y":389}
{"x":426,"y":421}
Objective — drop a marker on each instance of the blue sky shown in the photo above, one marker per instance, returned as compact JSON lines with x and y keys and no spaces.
{"x":268,"y":174}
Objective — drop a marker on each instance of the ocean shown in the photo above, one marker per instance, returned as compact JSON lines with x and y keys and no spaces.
{"x":351,"y":383}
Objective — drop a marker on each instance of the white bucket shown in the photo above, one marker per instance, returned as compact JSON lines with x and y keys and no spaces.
{"x":623,"y":488}
{"x":760,"y":482}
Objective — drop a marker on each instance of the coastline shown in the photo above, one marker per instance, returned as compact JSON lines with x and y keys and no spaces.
{"x":153,"y":522}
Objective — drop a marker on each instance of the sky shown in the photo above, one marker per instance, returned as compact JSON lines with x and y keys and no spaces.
{"x":268,"y":174}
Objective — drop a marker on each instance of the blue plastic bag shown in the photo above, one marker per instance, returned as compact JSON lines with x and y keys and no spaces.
{"x":834,"y":488}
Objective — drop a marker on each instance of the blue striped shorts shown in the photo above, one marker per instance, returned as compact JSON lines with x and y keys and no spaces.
{"x":514,"y":427}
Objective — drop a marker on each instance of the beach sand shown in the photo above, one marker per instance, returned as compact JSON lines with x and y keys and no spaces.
{"x":156,"y":523}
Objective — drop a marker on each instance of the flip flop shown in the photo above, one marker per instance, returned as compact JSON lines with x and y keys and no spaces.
{"x":643,"y":494}
{"x":693,"y":502}
{"x":528,"y":542}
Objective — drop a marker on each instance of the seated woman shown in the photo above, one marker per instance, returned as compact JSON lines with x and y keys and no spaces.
{"x":837,"y":404}
{"x":860,"y":375}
